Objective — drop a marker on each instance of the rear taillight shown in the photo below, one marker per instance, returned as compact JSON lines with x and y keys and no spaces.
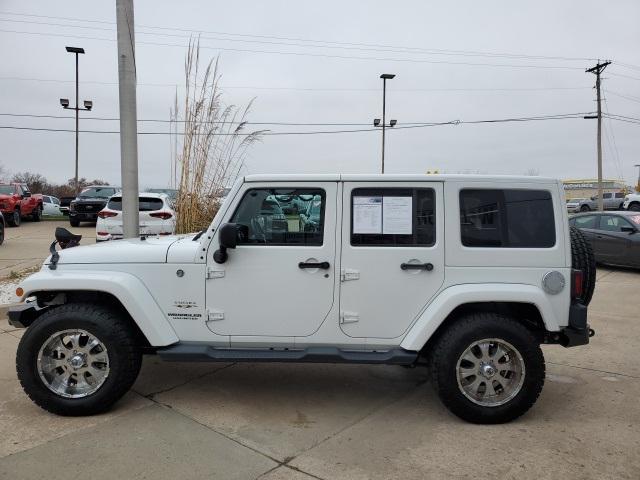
{"x":162,"y":215}
{"x":103,"y":234}
{"x":107,"y":214}
{"x":577,"y":282}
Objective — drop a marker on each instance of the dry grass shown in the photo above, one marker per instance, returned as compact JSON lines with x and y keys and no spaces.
{"x":214,"y":144}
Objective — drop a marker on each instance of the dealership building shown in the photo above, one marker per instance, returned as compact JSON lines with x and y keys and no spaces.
{"x":588,"y":187}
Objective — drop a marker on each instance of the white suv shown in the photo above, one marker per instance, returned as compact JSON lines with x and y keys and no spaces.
{"x":466,"y":274}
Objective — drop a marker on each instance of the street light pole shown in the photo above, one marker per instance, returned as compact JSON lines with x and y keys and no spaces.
{"x":65,"y":104}
{"x":376,"y":122}
{"x":638,"y":184}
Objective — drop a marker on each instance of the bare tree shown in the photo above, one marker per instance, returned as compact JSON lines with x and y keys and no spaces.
{"x":214,"y":144}
{"x":36,"y":182}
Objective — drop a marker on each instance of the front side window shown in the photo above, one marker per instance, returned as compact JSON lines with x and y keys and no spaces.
{"x":507,"y":218}
{"x":281,"y":216}
{"x":588,"y":221}
{"x":393,"y":217}
{"x":613,"y":223}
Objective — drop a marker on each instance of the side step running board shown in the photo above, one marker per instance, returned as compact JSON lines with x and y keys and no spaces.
{"x":185,"y":352}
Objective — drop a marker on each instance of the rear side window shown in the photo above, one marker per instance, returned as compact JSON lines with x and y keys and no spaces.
{"x":507,"y":218}
{"x":393,"y":217}
{"x":146,"y":204}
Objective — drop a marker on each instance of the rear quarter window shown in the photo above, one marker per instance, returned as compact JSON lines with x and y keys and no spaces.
{"x":507,"y":218}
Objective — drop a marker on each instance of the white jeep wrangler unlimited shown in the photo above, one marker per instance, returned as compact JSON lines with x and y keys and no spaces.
{"x":467,"y":275}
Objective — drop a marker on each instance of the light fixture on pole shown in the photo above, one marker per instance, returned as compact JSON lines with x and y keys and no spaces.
{"x":376,"y":122}
{"x":88,"y":105}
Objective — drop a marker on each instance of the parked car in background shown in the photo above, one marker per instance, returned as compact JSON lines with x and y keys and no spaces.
{"x":610,"y":201}
{"x":156,"y":217}
{"x":64,"y":204}
{"x":615,"y":237}
{"x":50,"y":205}
{"x":171,"y":193}
{"x":2,"y":226}
{"x":632,"y":202}
{"x":89,"y":202}
{"x":17,"y":202}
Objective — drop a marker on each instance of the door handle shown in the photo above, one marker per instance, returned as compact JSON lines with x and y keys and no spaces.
{"x":599,"y":236}
{"x":417,"y":266}
{"x":322,"y":265}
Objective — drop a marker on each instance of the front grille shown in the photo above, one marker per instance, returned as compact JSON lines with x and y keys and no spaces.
{"x":89,"y":207}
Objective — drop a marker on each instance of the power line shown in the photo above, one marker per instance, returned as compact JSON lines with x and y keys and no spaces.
{"x":314,"y":41}
{"x":310,"y":89}
{"x":626,"y":97}
{"x":567,"y":116}
{"x":623,"y":76}
{"x":305,"y":54}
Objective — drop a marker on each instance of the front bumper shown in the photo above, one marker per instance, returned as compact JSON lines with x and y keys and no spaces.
{"x":578,"y":331}
{"x":83,"y":216}
{"x":23,"y":315}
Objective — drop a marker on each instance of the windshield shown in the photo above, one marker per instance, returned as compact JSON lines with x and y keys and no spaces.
{"x":99,"y":192}
{"x":146,"y":204}
{"x":574,"y":200}
{"x":6,"y":190}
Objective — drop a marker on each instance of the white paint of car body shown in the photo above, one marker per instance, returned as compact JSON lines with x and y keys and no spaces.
{"x":143,"y":273}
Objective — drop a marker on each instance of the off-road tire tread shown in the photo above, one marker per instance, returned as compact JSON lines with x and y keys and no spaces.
{"x":121,"y":343}
{"x":582,"y":258}
{"x":476,"y":326}
{"x":36,"y":216}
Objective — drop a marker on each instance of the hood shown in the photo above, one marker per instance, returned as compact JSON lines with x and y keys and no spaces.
{"x":151,"y":250}
{"x":4,"y":196}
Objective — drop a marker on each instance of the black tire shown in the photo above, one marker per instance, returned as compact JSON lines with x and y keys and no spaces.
{"x":585,"y":208}
{"x":634,"y":207}
{"x":74,"y":222}
{"x":457,"y":338}
{"x":124,"y":357}
{"x":36,"y":216}
{"x":582,"y":258}
{"x":1,"y":231}
{"x":15,"y":218}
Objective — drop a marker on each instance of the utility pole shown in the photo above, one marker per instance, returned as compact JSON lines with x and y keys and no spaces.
{"x":376,"y":121}
{"x":597,"y":70}
{"x":128,"y":118}
{"x":638,"y":184}
{"x":88,"y":104}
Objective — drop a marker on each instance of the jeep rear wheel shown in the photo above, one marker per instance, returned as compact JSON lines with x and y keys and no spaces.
{"x":78,"y":359}
{"x":487,"y":368}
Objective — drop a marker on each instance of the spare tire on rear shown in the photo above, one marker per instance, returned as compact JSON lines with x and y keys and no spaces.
{"x":582,"y":258}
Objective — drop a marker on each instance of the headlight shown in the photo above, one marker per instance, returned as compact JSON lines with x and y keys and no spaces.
{"x":72,"y":206}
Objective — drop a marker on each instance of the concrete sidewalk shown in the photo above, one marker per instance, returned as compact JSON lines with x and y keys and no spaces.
{"x":280,"y":421}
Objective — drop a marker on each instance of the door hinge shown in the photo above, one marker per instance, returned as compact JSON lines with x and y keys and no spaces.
{"x":347,"y":274}
{"x":214,"y":316}
{"x":213,"y":273}
{"x":349,"y":317}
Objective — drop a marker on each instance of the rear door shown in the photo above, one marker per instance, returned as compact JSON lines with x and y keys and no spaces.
{"x":392,"y":255}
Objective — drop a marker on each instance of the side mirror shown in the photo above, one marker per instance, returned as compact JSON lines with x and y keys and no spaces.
{"x":629,"y":230}
{"x":228,"y":238}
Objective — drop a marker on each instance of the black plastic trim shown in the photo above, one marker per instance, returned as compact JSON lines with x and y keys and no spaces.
{"x":186,"y":352}
{"x":23,"y":315}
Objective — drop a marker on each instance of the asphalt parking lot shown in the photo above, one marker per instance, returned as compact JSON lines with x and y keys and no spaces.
{"x":280,"y":421}
{"x":27,"y":246}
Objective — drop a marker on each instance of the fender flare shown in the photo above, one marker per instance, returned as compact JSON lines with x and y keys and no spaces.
{"x":452,"y":297}
{"x":127,"y":288}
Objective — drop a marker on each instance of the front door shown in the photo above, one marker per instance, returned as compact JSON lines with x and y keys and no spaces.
{"x":392,"y":255}
{"x":611,"y":243}
{"x":279,"y":281}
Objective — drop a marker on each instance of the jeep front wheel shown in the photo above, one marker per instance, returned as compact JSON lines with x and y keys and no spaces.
{"x":487,"y":368}
{"x":78,"y":359}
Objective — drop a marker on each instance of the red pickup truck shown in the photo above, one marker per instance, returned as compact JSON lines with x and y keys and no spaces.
{"x":16,"y":202}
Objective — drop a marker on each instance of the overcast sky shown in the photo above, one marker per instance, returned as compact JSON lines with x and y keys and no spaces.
{"x":316,"y":86}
